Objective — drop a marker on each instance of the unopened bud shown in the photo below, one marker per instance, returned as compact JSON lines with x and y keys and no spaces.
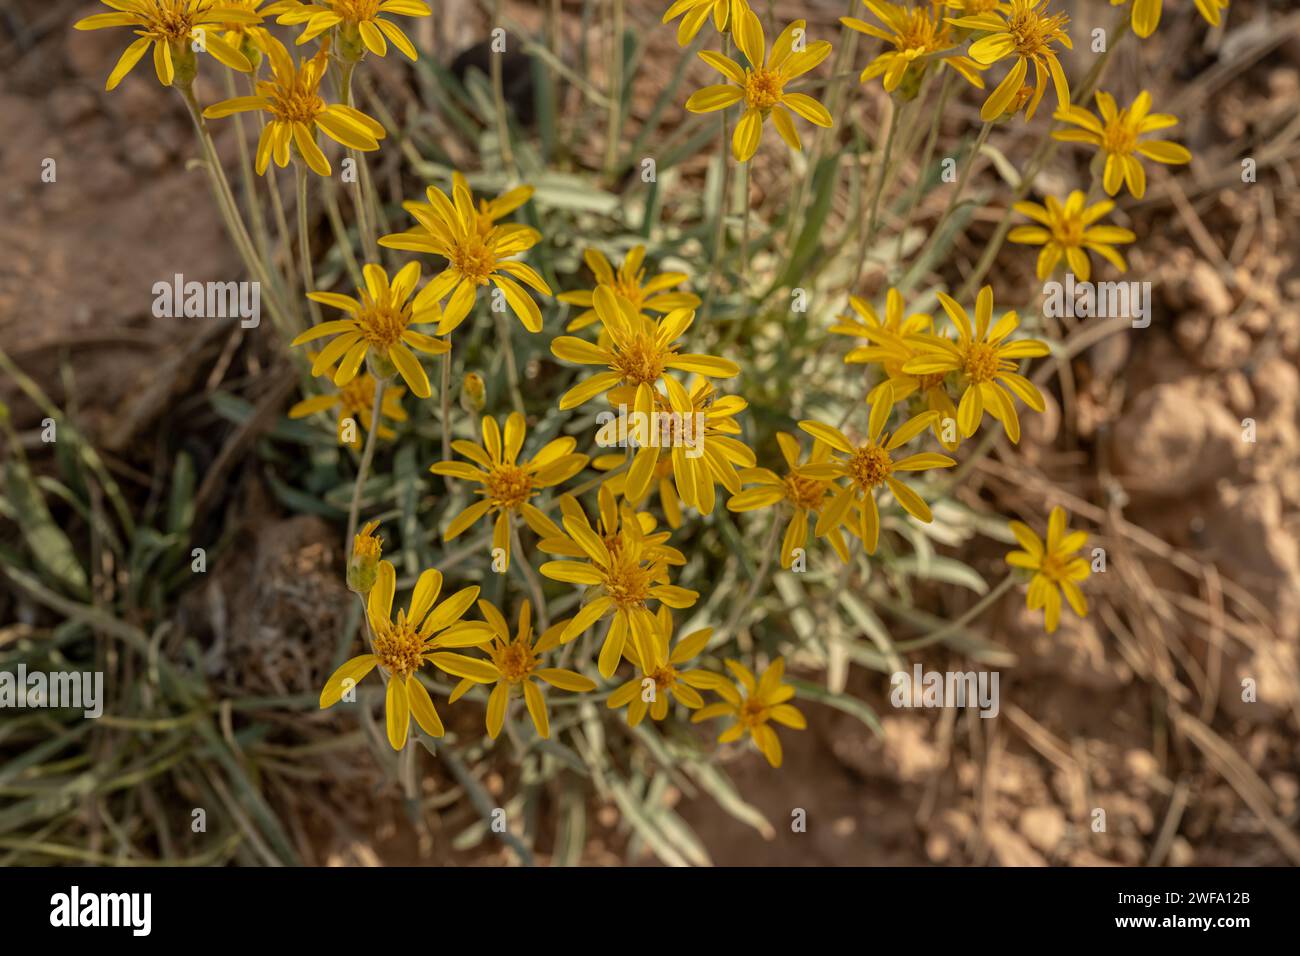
{"x":473,"y":393}
{"x":363,"y":566}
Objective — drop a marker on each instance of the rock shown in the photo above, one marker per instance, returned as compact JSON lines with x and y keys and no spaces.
{"x":1227,"y":346}
{"x":1207,"y":290}
{"x":1175,"y":439}
{"x":1011,"y":849}
{"x":1044,"y":827}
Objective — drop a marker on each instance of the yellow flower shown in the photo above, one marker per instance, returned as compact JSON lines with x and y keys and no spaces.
{"x":1056,"y":569}
{"x":359,"y":24}
{"x":1117,"y":134}
{"x":659,"y":685}
{"x":1067,"y":231}
{"x":355,"y":401}
{"x":473,"y":392}
{"x":507,"y":485}
{"x":172,"y":27}
{"x":486,"y":214}
{"x":985,"y":362}
{"x":703,"y":454}
{"x":513,"y":666}
{"x":639,"y":352}
{"x":697,"y":11}
{"x":250,"y":39}
{"x":868,"y":466}
{"x":805,"y":495}
{"x":401,"y":645}
{"x":753,"y":705}
{"x":363,"y":566}
{"x":916,"y":34}
{"x":626,"y":566}
{"x":297,"y":110}
{"x":891,"y":348}
{"x":1146,"y":14}
{"x":762,"y":85}
{"x":1023,"y":29}
{"x":453,"y":228}
{"x":379,"y":324}
{"x":629,"y":282}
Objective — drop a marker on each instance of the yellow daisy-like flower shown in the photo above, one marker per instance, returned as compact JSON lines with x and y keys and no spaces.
{"x":658,"y":685}
{"x":685,"y":475}
{"x":985,"y":363}
{"x":805,"y":495}
{"x":1057,"y":570}
{"x":1117,"y":134}
{"x":379,"y":325}
{"x":626,"y":567}
{"x":453,"y":228}
{"x":695,"y":12}
{"x":1146,"y":14}
{"x":250,"y":39}
{"x":754,"y":705}
{"x":640,"y":351}
{"x":1067,"y":231}
{"x":354,"y":402}
{"x":630,"y":283}
{"x":297,"y":111}
{"x":506,"y":484}
{"x":489,"y":211}
{"x":1023,"y":29}
{"x":891,"y":348}
{"x":360,"y":26}
{"x":514,"y":665}
{"x":401,"y":645}
{"x":917,"y":35}
{"x":868,"y":466}
{"x":172,"y":28}
{"x":762,"y":85}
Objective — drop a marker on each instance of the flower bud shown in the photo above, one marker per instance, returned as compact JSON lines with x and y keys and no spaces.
{"x":473,"y":393}
{"x":363,"y":566}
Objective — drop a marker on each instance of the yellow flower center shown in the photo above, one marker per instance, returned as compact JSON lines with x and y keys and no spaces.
{"x":805,"y":493}
{"x":1034,"y":32}
{"x":870,"y":465}
{"x":762,"y":89}
{"x":1068,"y":231}
{"x":381,"y":324}
{"x":629,"y":287}
{"x":509,"y":485}
{"x":515,"y":661}
{"x":627,"y":584}
{"x":664,"y":677}
{"x":399,"y":647}
{"x":366,"y":546}
{"x":926,"y":382}
{"x":919,"y":36}
{"x":1053,"y":567}
{"x":169,"y":19}
{"x":641,"y":360}
{"x":357,"y":396}
{"x":1119,"y":136}
{"x":980,"y":362}
{"x":356,"y":10}
{"x":753,"y":712}
{"x":474,"y":259}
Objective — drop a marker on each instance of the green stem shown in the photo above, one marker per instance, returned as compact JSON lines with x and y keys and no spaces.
{"x":304,"y":242}
{"x":869,"y":231}
{"x":367,"y":456}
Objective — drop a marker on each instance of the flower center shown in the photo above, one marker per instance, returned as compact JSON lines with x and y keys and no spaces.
{"x":870,"y":466}
{"x":1034,"y":32}
{"x":381,"y":324}
{"x":918,"y":37}
{"x":473,"y":259}
{"x":356,"y":10}
{"x":926,"y":382}
{"x":630,"y":289}
{"x":806,"y":493}
{"x":170,"y":19}
{"x":399,"y":647}
{"x":357,"y":396}
{"x":762,"y":89}
{"x":515,"y":661}
{"x":664,"y":677}
{"x":509,"y":485}
{"x":628,"y":584}
{"x":980,"y":362}
{"x":641,"y":360}
{"x":1052,"y":567}
{"x":1068,"y":232}
{"x":1119,"y":137}
{"x":753,"y":712}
